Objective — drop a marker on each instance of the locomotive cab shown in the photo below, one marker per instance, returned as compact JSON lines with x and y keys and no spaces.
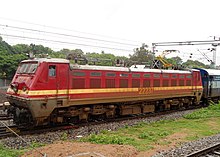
{"x":34,"y":88}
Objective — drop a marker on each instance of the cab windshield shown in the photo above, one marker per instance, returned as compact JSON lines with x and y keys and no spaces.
{"x":27,"y":68}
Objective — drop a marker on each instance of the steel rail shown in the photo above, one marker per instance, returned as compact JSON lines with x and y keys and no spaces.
{"x":206,"y":151}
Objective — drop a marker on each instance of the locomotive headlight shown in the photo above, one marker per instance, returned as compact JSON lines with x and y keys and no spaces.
{"x":24,"y":88}
{"x":14,"y":87}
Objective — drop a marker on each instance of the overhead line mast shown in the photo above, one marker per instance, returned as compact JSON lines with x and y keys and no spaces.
{"x":214,"y":43}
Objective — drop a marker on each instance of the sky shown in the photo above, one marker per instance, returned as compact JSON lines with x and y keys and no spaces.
{"x":121,"y":25}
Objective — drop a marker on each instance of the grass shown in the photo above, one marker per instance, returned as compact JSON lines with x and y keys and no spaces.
{"x":210,"y":111}
{"x":5,"y":152}
{"x":145,"y":136}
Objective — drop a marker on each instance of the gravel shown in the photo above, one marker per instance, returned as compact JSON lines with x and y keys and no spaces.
{"x":189,"y":147}
{"x":50,"y":137}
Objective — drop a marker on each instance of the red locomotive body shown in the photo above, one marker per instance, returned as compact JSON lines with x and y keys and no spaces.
{"x":47,"y":91}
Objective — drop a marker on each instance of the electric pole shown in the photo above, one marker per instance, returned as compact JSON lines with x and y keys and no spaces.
{"x":214,"y":43}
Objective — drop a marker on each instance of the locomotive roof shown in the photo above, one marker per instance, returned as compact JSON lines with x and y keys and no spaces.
{"x":126,"y":69}
{"x":108,"y":68}
{"x":54,"y":60}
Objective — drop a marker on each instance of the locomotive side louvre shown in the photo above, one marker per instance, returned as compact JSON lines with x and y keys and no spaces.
{"x":58,"y":92}
{"x":131,"y":93}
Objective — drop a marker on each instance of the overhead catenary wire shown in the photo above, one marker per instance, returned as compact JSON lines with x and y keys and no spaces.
{"x":63,"y":38}
{"x":63,"y":42}
{"x":66,"y":35}
{"x":186,"y":54}
{"x":214,"y":43}
{"x":182,"y":43}
{"x":59,"y":28}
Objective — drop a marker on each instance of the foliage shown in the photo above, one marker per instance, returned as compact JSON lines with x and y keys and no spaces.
{"x":139,"y":136}
{"x":40,"y":49}
{"x":57,"y":55}
{"x":9,"y":60}
{"x":211,"y":111}
{"x":112,"y":139}
{"x":72,"y":54}
{"x":22,"y":48}
{"x":176,"y":61}
{"x":141,"y":56}
{"x":104,"y":58}
{"x":194,"y":64}
{"x":143,"y":136}
{"x":36,"y":145}
{"x":10,"y":57}
{"x":100,"y":59}
{"x":5,"y":152}
{"x":6,"y":48}
{"x":64,"y":136}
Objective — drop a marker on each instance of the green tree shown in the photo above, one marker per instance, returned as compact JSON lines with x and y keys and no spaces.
{"x":194,"y":64}
{"x":72,"y":54}
{"x":9,"y":60}
{"x":104,"y":59}
{"x":176,"y":61}
{"x":22,"y":48}
{"x":142,"y":56}
{"x":40,"y":49}
{"x":101,"y":59}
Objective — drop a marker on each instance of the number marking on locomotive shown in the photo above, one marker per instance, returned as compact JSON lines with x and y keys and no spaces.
{"x":145,"y":90}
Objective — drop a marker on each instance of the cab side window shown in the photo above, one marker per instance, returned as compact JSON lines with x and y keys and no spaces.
{"x":52,"y":70}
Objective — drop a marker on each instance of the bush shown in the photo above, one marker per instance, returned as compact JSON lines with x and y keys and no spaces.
{"x":64,"y":136}
{"x":8,"y":152}
{"x":146,"y":136}
{"x":109,"y":139}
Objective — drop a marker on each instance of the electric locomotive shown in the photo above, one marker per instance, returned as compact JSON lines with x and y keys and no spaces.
{"x":53,"y":91}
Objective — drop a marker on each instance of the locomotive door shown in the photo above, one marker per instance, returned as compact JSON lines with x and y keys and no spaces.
{"x":58,"y":82}
{"x":53,"y":83}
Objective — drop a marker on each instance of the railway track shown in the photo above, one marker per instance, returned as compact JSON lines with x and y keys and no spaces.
{"x":212,"y":151}
{"x":5,"y":132}
{"x":5,"y":117}
{"x":14,"y":130}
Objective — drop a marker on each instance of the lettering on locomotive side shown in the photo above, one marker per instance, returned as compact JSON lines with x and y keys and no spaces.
{"x":146,"y":91}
